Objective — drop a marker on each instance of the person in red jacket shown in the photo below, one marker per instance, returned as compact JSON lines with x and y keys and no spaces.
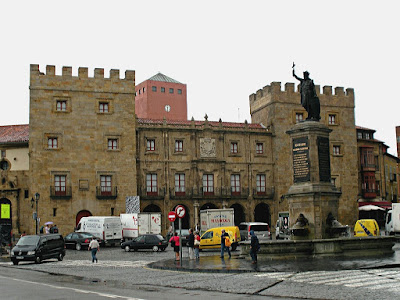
{"x":175,"y":243}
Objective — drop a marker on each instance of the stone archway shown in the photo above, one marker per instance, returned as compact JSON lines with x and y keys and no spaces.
{"x":152,"y":208}
{"x":81,"y":214}
{"x":208,"y":206}
{"x":262,"y":213}
{"x":239,"y":213}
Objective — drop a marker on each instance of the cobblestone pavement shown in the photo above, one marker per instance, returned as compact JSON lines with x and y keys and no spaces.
{"x":128,"y":270}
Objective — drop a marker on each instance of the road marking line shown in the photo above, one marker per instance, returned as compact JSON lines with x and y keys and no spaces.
{"x":73,"y":289}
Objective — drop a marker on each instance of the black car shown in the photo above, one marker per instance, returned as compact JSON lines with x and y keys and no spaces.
{"x":147,"y":241}
{"x":38,"y":248}
{"x":79,"y":240}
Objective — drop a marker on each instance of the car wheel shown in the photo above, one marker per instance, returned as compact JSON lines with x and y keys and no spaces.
{"x":38,"y":260}
{"x":78,"y":246}
{"x":155,"y":248}
{"x":127,"y":248}
{"x":15,"y":262}
{"x":60,"y":257}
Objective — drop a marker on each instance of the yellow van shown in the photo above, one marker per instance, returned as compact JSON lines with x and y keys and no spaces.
{"x":366,"y":227}
{"x":211,"y":239}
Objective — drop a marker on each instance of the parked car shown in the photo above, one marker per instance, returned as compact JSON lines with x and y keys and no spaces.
{"x":79,"y":240}
{"x":147,"y":241}
{"x":38,"y":248}
{"x":366,"y":227}
{"x":260,"y":229}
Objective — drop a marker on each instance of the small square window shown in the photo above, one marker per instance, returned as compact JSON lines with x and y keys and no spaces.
{"x":143,"y":90}
{"x":336,"y":150}
{"x":234,"y":147}
{"x":367,"y":136}
{"x":52,"y":143}
{"x":163,"y":90}
{"x":171,"y":90}
{"x":154,"y":88}
{"x":332,"y":120}
{"x":359,"y":135}
{"x":259,"y":148}
{"x":61,"y":105}
{"x":151,"y":145}
{"x":179,"y":91}
{"x":112,"y":144}
{"x":3,"y":153}
{"x":103,"y":107}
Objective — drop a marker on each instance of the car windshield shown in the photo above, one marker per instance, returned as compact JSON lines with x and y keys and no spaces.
{"x":242,"y":227}
{"x":259,"y":227}
{"x":29,"y":240}
{"x":87,"y":235}
{"x":160,"y":237}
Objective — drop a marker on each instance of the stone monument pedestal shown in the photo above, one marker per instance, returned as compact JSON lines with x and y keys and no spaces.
{"x":312,"y":193}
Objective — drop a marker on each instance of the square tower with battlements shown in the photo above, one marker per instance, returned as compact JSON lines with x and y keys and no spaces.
{"x":82,"y":143}
{"x":279,"y":110}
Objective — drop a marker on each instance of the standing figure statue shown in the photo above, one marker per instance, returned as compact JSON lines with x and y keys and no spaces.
{"x":309,"y":99}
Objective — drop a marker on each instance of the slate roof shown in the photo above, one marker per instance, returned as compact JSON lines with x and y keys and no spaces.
{"x":14,"y":134}
{"x":163,"y":78}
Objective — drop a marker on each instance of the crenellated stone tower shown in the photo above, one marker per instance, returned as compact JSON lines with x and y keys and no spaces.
{"x":281,"y":110}
{"x":82,"y":143}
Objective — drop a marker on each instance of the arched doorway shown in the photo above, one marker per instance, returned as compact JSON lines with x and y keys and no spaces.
{"x":185,"y":220}
{"x":5,"y":222}
{"x":239,"y":213}
{"x":152,"y":208}
{"x":262,"y":214}
{"x":208,"y":206}
{"x":81,"y":214}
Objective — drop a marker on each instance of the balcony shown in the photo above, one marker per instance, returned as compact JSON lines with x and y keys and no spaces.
{"x":365,"y":167}
{"x":266,"y":193}
{"x":151,"y":195}
{"x":369,"y":193}
{"x":60,"y":192}
{"x":106,"y":192}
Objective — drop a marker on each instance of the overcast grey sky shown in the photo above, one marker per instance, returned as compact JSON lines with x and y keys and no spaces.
{"x":223,"y":50}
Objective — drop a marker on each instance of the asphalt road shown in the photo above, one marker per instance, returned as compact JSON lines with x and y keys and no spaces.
{"x":122,"y":275}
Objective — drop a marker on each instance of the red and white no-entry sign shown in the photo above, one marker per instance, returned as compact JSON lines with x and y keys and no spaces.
{"x":171,"y":216}
{"x":180,"y":211}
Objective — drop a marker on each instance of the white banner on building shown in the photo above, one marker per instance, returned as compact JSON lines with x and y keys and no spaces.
{"x":132,"y":204}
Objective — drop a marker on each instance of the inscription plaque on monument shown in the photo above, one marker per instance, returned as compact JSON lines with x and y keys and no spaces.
{"x":324,"y":159}
{"x":301,"y":160}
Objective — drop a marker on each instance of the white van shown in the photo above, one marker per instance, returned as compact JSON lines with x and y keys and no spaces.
{"x":109,"y":229}
{"x":260,"y":229}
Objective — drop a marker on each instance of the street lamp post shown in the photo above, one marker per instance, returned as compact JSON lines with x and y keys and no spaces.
{"x":37,"y":197}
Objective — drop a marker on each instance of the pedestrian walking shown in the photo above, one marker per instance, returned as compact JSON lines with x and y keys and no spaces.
{"x":175,"y":244}
{"x":197,"y":245}
{"x":224,"y":236}
{"x":47,"y":229}
{"x":94,"y":246}
{"x":191,"y":244}
{"x":254,"y":247}
{"x":55,"y":229}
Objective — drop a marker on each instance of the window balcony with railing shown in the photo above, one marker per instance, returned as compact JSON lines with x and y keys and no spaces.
{"x":106,"y":192}
{"x":369,"y":193}
{"x":60,"y":192}
{"x":151,"y":193}
{"x":263,"y":192}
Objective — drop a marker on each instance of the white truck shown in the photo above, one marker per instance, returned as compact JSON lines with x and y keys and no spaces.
{"x":108,"y":229}
{"x":392,"y":222}
{"x":210,"y":218}
{"x":137,"y":224}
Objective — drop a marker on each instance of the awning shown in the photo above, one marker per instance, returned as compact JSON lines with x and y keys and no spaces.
{"x":381,"y":204}
{"x":370,"y":207}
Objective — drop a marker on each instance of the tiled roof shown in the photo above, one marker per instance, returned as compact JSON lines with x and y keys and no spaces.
{"x":199,"y":123}
{"x":14,"y":134}
{"x":163,"y":78}
{"x":364,"y":128}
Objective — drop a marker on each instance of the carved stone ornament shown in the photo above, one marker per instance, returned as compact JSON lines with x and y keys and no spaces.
{"x":207,"y":147}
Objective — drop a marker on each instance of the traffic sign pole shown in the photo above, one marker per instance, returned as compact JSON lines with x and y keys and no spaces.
{"x":180,"y":239}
